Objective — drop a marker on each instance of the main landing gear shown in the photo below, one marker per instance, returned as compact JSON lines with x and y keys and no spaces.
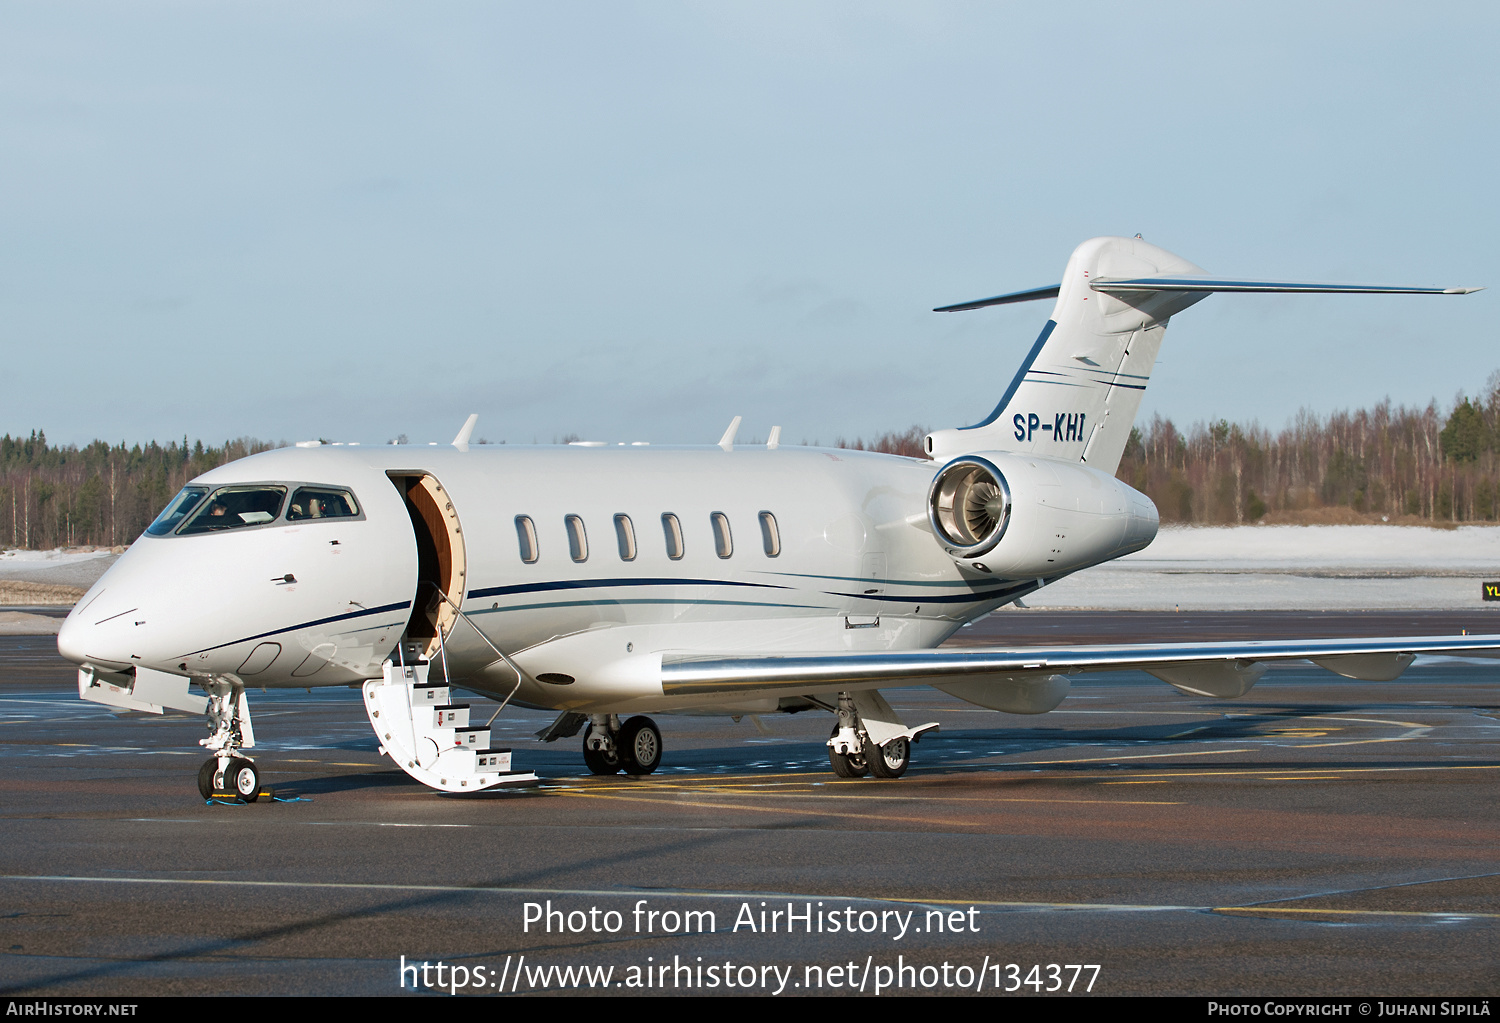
{"x":227,"y":772}
{"x":868,"y":738}
{"x":610,"y":747}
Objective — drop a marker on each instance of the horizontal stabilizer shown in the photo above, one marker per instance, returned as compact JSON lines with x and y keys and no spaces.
{"x":1139,"y":285}
{"x":1035,"y":294}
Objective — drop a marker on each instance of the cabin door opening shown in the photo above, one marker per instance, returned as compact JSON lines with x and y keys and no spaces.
{"x":441,"y":565}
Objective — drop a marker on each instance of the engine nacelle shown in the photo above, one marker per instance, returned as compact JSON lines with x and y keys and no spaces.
{"x":1024,"y":517}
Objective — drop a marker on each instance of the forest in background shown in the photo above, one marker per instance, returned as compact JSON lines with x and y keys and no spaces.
{"x":102,"y":495}
{"x":1414,"y":466}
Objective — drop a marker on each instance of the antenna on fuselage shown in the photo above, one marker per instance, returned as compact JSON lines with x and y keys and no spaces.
{"x":462,"y":440}
{"x":727,"y":441}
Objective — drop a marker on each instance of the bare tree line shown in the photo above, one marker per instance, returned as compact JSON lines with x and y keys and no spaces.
{"x":1386,"y":463}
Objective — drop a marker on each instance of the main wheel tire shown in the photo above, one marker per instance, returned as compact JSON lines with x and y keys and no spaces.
{"x":890,"y":760}
{"x":640,"y":746}
{"x":241,"y":778}
{"x":599,"y":761}
{"x":846,"y":765}
{"x":206,"y":777}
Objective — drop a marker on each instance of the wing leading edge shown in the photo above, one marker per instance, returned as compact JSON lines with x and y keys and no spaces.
{"x":1371,"y":660}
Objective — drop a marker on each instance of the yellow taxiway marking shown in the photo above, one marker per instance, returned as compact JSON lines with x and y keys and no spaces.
{"x":858,"y":792}
{"x":1355,"y":742}
{"x":667,"y":802}
{"x":1366,"y":721}
{"x":1415,"y":731}
{"x":1251,"y":770}
{"x":1133,"y":756}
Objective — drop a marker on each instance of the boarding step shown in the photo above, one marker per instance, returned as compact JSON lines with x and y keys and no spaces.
{"x":429,"y":695}
{"x":451,"y":715}
{"x":493,"y":760}
{"x":430,"y":737}
{"x":475,"y":738}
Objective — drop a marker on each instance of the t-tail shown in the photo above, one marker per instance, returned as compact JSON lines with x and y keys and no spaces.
{"x":1076,"y":395}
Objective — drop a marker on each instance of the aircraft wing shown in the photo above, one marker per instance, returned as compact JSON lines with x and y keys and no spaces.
{"x":1210,"y":669}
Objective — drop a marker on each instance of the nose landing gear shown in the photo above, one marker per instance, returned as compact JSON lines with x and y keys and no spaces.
{"x":227,"y":773}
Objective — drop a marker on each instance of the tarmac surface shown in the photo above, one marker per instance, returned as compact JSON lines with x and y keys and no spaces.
{"x":1317,"y":836}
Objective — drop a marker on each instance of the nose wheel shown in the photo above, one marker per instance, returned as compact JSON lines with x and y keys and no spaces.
{"x":234,"y":776}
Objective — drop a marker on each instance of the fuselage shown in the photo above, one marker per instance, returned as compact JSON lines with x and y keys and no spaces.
{"x":584,"y":564}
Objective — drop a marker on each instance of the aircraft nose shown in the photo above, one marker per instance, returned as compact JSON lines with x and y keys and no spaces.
{"x":107,"y":636}
{"x":71,"y":640}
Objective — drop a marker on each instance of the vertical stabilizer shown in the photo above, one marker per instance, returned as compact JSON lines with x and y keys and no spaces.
{"x":1076,"y":395}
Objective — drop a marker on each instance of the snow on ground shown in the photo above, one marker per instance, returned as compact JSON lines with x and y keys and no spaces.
{"x":72,"y":567}
{"x":20,"y":623}
{"x":1290,"y":568}
{"x":1337,"y":548}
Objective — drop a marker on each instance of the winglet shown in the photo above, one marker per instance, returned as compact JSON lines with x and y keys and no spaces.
{"x":775,"y":440}
{"x":462,"y":440}
{"x":727,"y":441}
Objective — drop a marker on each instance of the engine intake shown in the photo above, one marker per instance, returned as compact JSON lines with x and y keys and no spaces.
{"x":969,"y":506}
{"x":1024,"y":517}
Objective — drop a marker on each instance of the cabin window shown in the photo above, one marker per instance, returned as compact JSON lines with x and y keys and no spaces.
{"x":321,"y":503}
{"x":182,"y":505}
{"x":673,"y":531}
{"x":235,"y":508}
{"x":578,"y":540}
{"x":770,"y":536}
{"x":625,"y":536}
{"x":723,"y":542}
{"x":526,"y":538}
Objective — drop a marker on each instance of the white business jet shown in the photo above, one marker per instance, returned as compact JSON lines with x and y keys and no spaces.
{"x":608,"y":582}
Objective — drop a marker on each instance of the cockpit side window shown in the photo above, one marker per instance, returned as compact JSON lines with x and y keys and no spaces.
{"x":234,"y":508}
{"x":321,"y":503}
{"x":182,"y":505}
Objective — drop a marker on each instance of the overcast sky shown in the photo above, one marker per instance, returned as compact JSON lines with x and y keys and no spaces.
{"x":633,"y":221}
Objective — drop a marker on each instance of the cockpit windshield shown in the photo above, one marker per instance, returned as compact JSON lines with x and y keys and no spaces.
{"x":186,"y":500}
{"x":235,"y":507}
{"x":206,"y":510}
